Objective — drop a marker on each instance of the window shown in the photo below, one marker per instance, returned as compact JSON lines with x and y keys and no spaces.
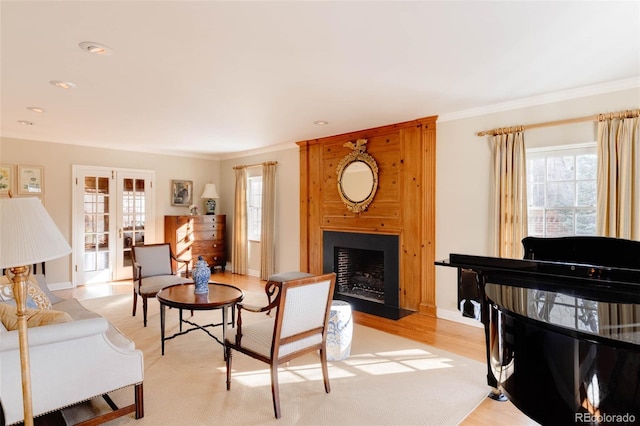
{"x":561,"y":190}
{"x":561,"y":195}
{"x":254,"y":207}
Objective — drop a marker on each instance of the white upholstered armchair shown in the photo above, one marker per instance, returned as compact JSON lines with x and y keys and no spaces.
{"x":297,"y":327}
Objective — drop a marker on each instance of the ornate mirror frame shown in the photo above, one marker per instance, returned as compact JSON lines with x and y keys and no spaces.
{"x":357,"y":155}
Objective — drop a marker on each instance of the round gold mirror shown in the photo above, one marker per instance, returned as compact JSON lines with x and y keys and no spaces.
{"x":357,"y":178}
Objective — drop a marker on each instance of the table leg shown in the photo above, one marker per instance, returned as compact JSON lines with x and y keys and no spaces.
{"x":180,"y":322}
{"x":224,"y":322}
{"x":233,"y":316}
{"x":224,"y":330}
{"x":162,"y":312}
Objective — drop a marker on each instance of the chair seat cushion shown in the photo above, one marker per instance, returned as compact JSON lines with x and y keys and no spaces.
{"x":152,"y":285}
{"x":257,"y":337}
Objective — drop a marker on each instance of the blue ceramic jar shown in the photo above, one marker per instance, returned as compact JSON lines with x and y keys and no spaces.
{"x":201,"y":274}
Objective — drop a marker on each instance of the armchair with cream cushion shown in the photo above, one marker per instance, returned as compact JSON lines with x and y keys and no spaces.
{"x":75,"y":355}
{"x":153,"y":270}
{"x":299,"y":325}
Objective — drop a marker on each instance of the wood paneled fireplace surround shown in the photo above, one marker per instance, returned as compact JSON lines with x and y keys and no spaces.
{"x":386,"y":276}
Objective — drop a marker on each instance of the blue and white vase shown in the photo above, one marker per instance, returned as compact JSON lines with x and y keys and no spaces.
{"x":201,"y":274}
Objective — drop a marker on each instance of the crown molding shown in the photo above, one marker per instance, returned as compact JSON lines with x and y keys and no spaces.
{"x":598,"y":89}
{"x":257,"y":151}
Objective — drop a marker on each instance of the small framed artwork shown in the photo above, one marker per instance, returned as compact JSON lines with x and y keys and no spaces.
{"x":30,"y":180}
{"x":7,"y":179}
{"x":181,"y":192}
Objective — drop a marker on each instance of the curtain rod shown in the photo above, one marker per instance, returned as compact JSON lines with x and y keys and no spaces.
{"x":266,"y":163}
{"x":598,"y":117}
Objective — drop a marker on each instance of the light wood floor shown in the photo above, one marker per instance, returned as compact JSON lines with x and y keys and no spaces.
{"x":454,"y":337}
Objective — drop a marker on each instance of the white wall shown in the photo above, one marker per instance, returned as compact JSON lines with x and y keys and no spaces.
{"x":287,"y":202}
{"x":463,"y":167}
{"x":58,"y":160}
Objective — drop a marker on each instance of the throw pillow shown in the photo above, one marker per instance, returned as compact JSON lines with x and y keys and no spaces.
{"x":35,"y":317}
{"x":36,"y":298}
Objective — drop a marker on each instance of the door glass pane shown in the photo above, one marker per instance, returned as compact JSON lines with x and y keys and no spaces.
{"x":133,"y":216}
{"x":96,"y":223}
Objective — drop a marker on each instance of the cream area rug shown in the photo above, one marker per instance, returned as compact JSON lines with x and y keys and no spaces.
{"x":387,"y":380}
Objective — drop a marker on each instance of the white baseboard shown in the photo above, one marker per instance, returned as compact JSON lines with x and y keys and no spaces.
{"x":456,"y":316}
{"x":60,"y":286}
{"x":253,"y":273}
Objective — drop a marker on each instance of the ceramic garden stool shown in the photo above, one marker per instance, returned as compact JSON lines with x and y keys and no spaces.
{"x":340,"y":331}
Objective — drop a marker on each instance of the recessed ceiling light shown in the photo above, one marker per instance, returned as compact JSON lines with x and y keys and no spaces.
{"x":35,"y":109}
{"x":95,"y":48}
{"x":63,"y":84}
{"x":26,"y":123}
{"x":321,"y":122}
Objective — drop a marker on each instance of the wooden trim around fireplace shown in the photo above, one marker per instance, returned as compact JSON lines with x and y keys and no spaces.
{"x":404,"y":203}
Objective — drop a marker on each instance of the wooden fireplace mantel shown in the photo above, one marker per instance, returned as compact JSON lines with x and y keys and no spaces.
{"x":404,"y":203}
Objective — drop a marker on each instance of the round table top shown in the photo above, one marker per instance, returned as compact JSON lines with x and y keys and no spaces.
{"x":182,"y":296}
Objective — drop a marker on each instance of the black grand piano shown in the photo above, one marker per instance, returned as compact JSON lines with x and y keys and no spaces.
{"x":562,"y":327}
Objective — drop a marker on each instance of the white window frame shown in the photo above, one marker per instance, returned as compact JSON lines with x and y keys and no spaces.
{"x":254,"y":208}
{"x":546,"y":152}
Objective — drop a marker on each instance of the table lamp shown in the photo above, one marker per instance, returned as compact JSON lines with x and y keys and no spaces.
{"x":209,"y":194}
{"x":28,"y":235}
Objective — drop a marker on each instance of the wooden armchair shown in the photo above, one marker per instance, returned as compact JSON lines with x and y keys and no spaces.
{"x":297,"y":327}
{"x":152,"y":271}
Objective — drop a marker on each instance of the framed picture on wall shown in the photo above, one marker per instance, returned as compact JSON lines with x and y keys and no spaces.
{"x":30,"y":180}
{"x":7,"y":179}
{"x":181,"y":192}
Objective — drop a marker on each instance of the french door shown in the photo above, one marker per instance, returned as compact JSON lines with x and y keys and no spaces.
{"x":113,"y":211}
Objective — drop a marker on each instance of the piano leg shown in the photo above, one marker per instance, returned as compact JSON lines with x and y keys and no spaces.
{"x":492,"y":331}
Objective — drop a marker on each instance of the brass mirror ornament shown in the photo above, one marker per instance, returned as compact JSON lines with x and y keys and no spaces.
{"x":357,"y":177}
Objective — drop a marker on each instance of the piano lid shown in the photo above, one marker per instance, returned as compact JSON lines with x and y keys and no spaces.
{"x":616,"y":285}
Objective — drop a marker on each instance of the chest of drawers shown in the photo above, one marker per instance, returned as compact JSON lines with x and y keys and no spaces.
{"x":193,"y":236}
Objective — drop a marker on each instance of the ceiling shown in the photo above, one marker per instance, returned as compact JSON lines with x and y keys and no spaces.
{"x":218,"y":79}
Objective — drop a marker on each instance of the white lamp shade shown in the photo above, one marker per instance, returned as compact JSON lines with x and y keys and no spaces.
{"x":28,"y":234}
{"x":210,"y":191}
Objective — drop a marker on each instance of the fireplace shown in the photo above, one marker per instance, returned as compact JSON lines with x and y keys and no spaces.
{"x":367,"y":269}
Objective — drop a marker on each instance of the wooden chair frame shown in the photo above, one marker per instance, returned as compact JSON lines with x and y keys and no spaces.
{"x":280,"y":290}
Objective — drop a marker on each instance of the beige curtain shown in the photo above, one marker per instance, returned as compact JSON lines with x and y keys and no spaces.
{"x":510,"y":193}
{"x":618,"y":201}
{"x":619,"y":176}
{"x":239,"y":243}
{"x":268,"y":231}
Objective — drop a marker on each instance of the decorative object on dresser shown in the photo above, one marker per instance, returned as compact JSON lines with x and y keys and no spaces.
{"x":193,"y":236}
{"x":210,"y":194}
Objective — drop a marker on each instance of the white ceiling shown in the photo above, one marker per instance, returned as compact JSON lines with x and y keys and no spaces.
{"x":219,"y":78}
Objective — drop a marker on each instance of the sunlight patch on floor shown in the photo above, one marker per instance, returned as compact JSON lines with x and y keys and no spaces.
{"x":375,"y":364}
{"x":262,"y":377}
{"x":394,"y":362}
